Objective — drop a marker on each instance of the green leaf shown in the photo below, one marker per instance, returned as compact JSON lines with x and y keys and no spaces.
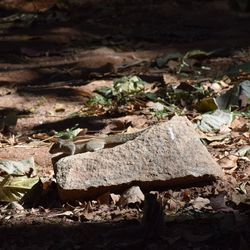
{"x":151,"y":96}
{"x":106,"y":92}
{"x":99,"y":100}
{"x":128,"y":85}
{"x":13,"y":188}
{"x":207,"y":104}
{"x":69,"y":133}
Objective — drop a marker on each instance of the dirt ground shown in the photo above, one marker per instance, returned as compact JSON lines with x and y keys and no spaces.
{"x":48,"y":71}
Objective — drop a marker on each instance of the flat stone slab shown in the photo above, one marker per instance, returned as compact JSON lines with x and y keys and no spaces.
{"x":169,"y":153}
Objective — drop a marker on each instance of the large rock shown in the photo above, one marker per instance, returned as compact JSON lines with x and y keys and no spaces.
{"x":170,"y":153}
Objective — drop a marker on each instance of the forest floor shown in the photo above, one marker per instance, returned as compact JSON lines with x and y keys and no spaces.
{"x":52,"y":62}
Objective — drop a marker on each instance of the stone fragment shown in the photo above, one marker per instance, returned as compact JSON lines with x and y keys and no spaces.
{"x":169,"y":153}
{"x":131,"y":196}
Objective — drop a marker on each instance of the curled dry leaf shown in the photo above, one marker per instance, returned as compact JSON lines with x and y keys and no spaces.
{"x":115,"y":198}
{"x":199,"y":203}
{"x":135,"y":120}
{"x":229,"y":163}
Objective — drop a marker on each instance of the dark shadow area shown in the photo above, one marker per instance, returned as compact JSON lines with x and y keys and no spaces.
{"x":51,"y":46}
{"x":92,"y":123}
{"x":205,"y":232}
{"x":71,"y":94}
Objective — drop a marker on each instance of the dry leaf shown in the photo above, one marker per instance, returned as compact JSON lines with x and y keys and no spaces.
{"x":170,"y":79}
{"x":228,"y":162}
{"x":199,"y":203}
{"x":239,"y":125}
{"x":115,"y":198}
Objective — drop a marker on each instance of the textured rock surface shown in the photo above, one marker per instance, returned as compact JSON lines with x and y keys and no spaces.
{"x":170,"y":151}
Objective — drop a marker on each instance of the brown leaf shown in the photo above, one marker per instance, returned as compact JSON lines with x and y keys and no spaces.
{"x":228,"y":162}
{"x":239,"y":125}
{"x":89,"y":88}
{"x":170,"y":79}
{"x":137,"y":121}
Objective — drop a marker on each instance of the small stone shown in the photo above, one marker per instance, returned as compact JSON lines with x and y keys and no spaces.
{"x":132,"y":196}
